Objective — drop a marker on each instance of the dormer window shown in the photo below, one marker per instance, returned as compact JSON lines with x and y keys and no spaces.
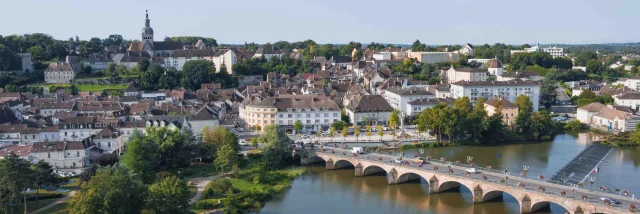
{"x":326,"y":109}
{"x":298,"y":109}
{"x":289,"y":109}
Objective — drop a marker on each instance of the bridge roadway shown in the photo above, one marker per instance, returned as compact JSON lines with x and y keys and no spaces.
{"x":485,"y":185}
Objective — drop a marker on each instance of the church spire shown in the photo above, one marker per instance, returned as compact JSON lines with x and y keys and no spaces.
{"x":147,"y":22}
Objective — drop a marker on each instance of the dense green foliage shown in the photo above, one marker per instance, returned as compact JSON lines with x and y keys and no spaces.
{"x":587,"y":97}
{"x":17,"y":174}
{"x":110,"y":191}
{"x":211,"y":42}
{"x":521,"y":61}
{"x":275,"y":146}
{"x":157,"y":150}
{"x":261,"y":66}
{"x":169,"y":195}
{"x":464,"y":122}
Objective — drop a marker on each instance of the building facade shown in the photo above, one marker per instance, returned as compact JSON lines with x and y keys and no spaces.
{"x":493,"y":89}
{"x":399,"y":97}
{"x":315,"y":112}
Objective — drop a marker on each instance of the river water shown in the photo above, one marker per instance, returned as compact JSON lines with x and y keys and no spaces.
{"x":338,"y":191}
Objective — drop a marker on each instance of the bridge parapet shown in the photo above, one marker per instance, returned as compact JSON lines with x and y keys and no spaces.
{"x":530,"y":198}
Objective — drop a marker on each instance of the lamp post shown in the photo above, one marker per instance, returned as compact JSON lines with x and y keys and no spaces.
{"x":525,"y":170}
{"x":469,"y":159}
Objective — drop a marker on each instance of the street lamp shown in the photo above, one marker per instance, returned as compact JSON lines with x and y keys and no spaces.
{"x":469,"y":159}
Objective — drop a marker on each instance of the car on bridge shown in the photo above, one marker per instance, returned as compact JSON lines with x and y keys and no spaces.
{"x":418,"y":160}
{"x":604,"y":199}
{"x":471,"y":170}
{"x":397,"y":160}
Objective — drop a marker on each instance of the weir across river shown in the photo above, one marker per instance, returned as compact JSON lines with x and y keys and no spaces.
{"x":582,"y":165}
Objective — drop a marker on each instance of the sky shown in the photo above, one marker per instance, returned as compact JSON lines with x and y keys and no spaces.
{"x":434,"y":22}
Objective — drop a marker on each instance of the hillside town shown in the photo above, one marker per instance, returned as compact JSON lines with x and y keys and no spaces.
{"x":88,"y":105}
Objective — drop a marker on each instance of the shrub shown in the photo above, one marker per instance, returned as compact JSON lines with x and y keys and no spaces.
{"x":218,"y":187}
{"x":208,"y":204}
{"x":575,"y":125}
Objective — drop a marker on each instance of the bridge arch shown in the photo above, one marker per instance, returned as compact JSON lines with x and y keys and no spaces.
{"x":452,"y":184}
{"x":546,"y":205}
{"x":373,"y":169}
{"x":343,"y":163}
{"x":497,"y":194}
{"x":410,"y":176}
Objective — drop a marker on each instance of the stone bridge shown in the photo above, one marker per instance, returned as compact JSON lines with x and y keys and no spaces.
{"x":442,"y":180}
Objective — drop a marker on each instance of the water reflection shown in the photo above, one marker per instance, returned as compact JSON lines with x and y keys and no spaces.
{"x":338,"y":191}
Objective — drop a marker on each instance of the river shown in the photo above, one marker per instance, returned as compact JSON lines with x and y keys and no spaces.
{"x":338,"y":191}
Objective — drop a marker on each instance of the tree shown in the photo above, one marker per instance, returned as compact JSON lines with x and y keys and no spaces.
{"x":594,"y":66}
{"x":380,"y":133}
{"x":356,"y":131}
{"x":11,"y":88}
{"x":169,"y":195}
{"x":394,"y":119}
{"x":144,"y":65}
{"x":338,"y":125}
{"x":214,"y":138}
{"x":42,"y":175}
{"x":297,"y":126}
{"x":583,"y":57}
{"x":113,"y":39}
{"x":548,"y":93}
{"x":140,"y":157}
{"x":369,"y":132}
{"x":254,"y":142}
{"x":195,"y":72}
{"x":151,"y":76}
{"x":344,"y":133}
{"x":15,"y":177}
{"x":226,"y":157}
{"x":275,"y":145}
{"x":463,"y":104}
{"x":110,"y":191}
{"x":523,"y":120}
{"x":634,"y":138}
{"x":8,"y":59}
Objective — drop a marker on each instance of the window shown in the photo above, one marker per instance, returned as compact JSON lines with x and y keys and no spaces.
{"x":48,"y":154}
{"x":335,"y":114}
{"x":326,"y":114}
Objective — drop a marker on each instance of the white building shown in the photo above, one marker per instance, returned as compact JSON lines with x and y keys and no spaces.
{"x":492,"y":89}
{"x":465,"y":74}
{"x":481,"y":61}
{"x":97,"y":62}
{"x":606,"y":118}
{"x":629,"y":99}
{"x":494,"y":66}
{"x":399,"y":97}
{"x":467,"y":49}
{"x":369,"y":110}
{"x":631,"y":82}
{"x":59,"y":73}
{"x":416,"y":107}
{"x":223,"y":56}
{"x":313,"y":111}
{"x":435,"y":57}
{"x":268,"y":52}
{"x":61,"y":154}
{"x":553,"y":50}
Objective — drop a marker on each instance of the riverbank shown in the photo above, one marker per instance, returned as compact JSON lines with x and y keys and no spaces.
{"x":246,"y":190}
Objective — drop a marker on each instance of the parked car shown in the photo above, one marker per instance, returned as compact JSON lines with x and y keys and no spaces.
{"x":613,"y":201}
{"x":240,"y":129}
{"x":384,"y":128}
{"x":397,"y":160}
{"x":350,"y":131}
{"x":471,"y":170}
{"x":305,"y":136}
{"x":241,"y":142}
{"x":325,"y":133}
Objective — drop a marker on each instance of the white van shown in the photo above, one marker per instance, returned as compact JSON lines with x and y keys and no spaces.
{"x":357,"y":150}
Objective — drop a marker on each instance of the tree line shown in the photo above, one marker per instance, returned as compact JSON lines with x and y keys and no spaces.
{"x":471,"y":123}
{"x":194,"y":73}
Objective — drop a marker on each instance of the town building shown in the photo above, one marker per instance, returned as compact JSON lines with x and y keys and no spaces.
{"x":607,"y":118}
{"x":494,"y":66}
{"x":435,"y":57}
{"x":630,"y":99}
{"x":415,"y":107}
{"x":492,"y":89}
{"x":313,"y":111}
{"x":59,"y":73}
{"x":62,"y":154}
{"x":369,"y":110}
{"x":467,"y":50}
{"x":97,"y":62}
{"x":508,"y":109}
{"x":268,"y":52}
{"x":520,"y":75}
{"x":399,"y":97}
{"x":553,"y":50}
{"x":219,"y":57}
{"x":465,"y":74}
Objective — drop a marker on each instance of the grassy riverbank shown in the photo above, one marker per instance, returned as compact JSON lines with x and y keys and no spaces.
{"x":246,"y":190}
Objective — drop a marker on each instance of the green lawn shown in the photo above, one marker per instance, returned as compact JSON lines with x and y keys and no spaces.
{"x":61,"y":208}
{"x":197,"y":170}
{"x":94,"y":88}
{"x":32,"y":205}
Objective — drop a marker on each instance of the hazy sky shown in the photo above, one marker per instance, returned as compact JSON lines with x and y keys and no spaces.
{"x":334,"y":21}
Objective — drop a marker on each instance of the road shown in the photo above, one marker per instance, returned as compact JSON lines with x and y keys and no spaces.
{"x":530,"y":183}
